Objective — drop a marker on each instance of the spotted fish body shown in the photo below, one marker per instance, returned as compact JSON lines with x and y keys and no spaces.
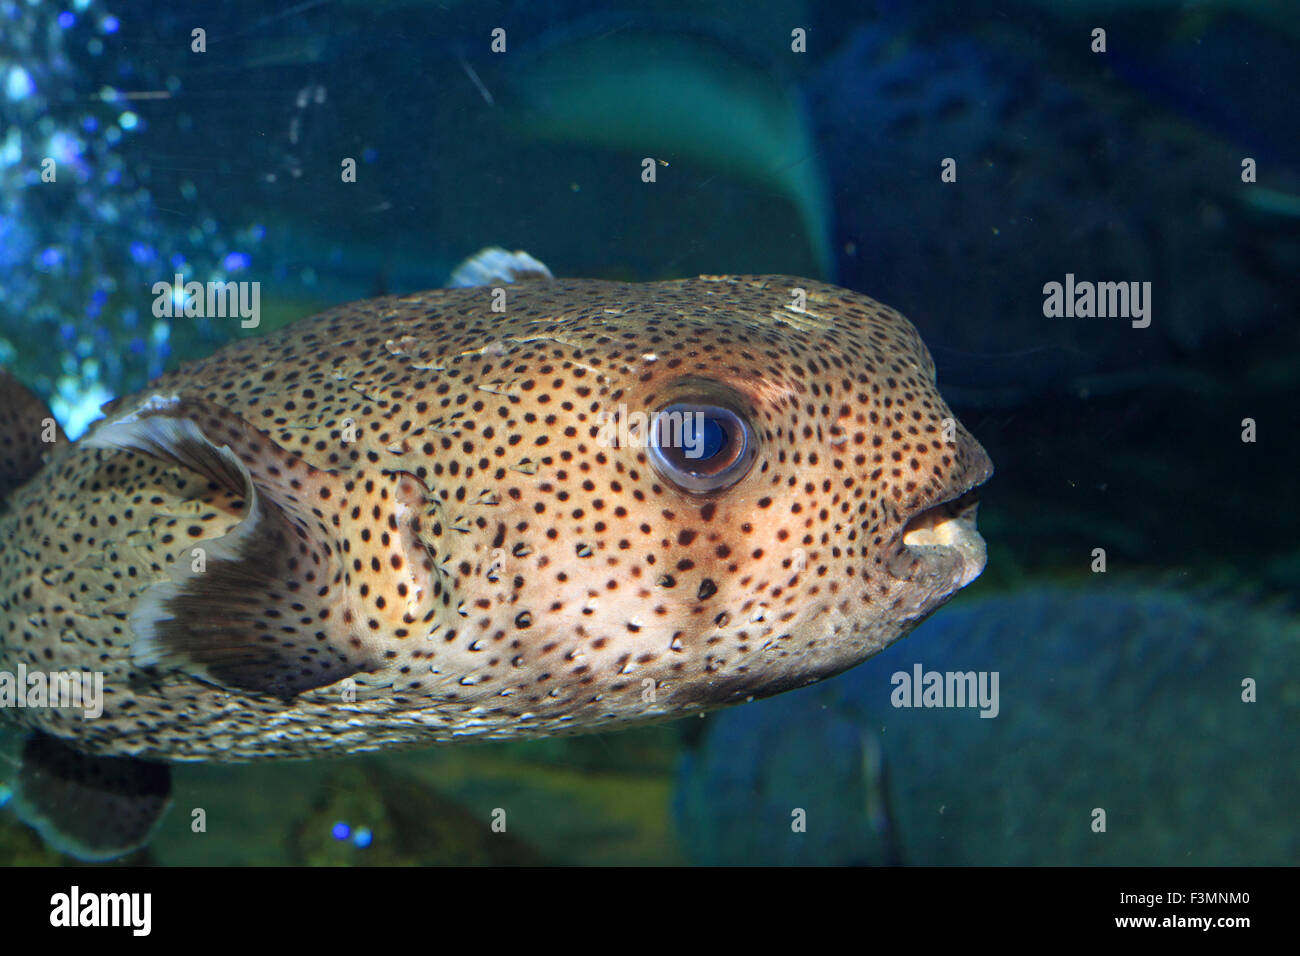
{"x":404,"y":521}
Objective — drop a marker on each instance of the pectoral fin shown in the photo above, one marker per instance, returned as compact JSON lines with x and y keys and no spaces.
{"x":267,"y":609}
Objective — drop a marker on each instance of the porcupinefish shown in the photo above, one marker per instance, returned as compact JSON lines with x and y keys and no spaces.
{"x":496,"y":511}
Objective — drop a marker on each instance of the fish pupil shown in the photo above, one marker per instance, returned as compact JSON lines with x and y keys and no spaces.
{"x":713,"y":439}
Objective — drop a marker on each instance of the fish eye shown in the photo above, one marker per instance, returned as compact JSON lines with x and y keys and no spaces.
{"x":701,"y":447}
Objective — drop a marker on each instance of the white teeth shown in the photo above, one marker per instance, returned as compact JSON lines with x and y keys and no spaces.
{"x":953,"y":534}
{"x":932,"y":534}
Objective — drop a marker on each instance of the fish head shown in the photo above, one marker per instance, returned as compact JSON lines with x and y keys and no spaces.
{"x":735,"y":486}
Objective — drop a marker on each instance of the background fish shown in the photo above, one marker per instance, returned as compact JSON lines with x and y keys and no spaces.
{"x":1056,"y":174}
{"x":678,"y":92}
{"x":404,"y":522}
{"x":1109,"y":695}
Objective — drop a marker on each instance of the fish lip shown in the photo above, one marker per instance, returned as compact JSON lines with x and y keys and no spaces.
{"x":944,"y":543}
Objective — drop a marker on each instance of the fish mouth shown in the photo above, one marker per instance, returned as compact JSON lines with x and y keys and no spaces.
{"x":944,"y":542}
